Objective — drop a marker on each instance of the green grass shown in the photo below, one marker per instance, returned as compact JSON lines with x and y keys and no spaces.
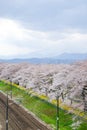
{"x":42,"y":109}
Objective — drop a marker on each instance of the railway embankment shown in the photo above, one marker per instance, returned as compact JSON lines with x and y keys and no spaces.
{"x":20,"y":118}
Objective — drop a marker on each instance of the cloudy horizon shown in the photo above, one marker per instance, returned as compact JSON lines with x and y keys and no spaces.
{"x":42,"y":28}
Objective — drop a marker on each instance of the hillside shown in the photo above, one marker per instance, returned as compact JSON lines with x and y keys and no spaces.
{"x":63,"y":79}
{"x":65,"y":58}
{"x":73,"y":56}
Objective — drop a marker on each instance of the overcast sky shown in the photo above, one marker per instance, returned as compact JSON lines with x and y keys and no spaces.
{"x":42,"y":28}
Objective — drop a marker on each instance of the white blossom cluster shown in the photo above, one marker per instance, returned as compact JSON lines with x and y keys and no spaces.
{"x":66,"y":80}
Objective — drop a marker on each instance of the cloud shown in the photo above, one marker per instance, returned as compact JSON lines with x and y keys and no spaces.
{"x":13,"y":39}
{"x":12,"y":51}
{"x":16,"y":41}
{"x":42,"y":28}
{"x":47,"y":15}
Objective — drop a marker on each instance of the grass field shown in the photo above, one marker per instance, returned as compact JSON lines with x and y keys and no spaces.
{"x":43,"y":109}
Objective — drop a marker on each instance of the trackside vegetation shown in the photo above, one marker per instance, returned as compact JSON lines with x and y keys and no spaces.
{"x":43,"y":109}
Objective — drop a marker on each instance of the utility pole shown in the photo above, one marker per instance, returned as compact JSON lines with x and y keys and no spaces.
{"x":11,"y":89}
{"x":7,"y":112}
{"x":57,"y":113}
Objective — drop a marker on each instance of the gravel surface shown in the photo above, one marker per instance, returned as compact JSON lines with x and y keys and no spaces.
{"x":2,"y":121}
{"x":20,"y":118}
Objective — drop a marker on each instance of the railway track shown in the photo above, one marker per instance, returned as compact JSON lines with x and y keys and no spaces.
{"x":19,"y":118}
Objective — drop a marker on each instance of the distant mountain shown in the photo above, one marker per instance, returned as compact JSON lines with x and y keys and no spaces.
{"x":39,"y":61}
{"x":73,"y":56}
{"x":65,"y":58}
